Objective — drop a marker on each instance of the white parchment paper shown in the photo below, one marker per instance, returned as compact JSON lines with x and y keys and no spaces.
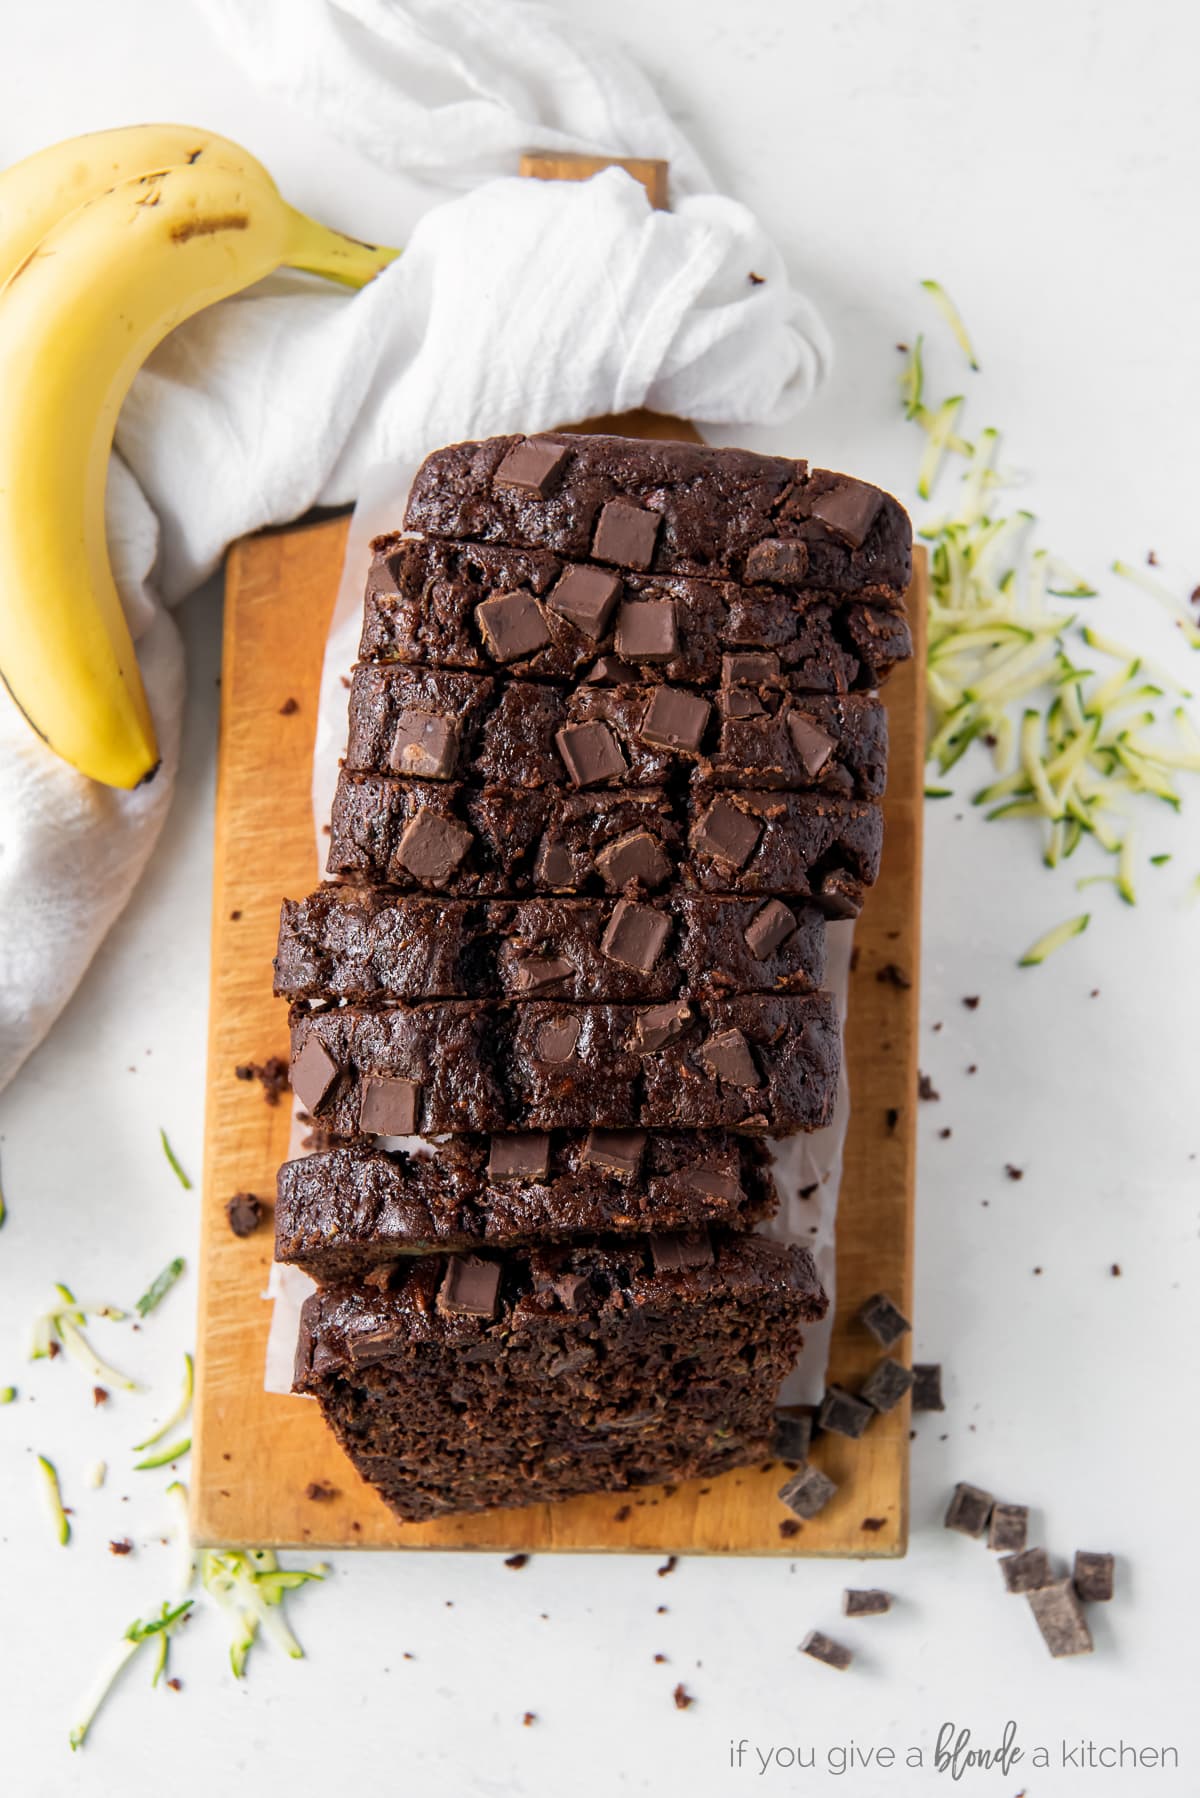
{"x":808,"y":1168}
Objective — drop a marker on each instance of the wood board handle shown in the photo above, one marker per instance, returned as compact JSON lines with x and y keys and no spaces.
{"x":554,"y":165}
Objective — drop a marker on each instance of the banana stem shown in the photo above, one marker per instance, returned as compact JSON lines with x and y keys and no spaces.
{"x":320,"y":251}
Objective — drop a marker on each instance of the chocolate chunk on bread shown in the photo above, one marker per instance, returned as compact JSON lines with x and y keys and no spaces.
{"x":344,"y":1212}
{"x":472,"y":1383}
{"x":499,"y":840}
{"x":643,"y":506}
{"x":527,"y":612}
{"x":439,"y":724}
{"x":369,"y":945}
{"x":758,"y":1064}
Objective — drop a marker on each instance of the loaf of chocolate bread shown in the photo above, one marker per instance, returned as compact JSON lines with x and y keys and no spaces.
{"x":494,"y":840}
{"x":343,"y":1212}
{"x":439,"y":724}
{"x":473,"y":605}
{"x":668,"y":508}
{"x":473,"y":1383}
{"x":369,"y":945}
{"x":758,"y":1064}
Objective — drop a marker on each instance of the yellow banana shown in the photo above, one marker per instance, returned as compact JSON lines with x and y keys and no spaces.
{"x":79,"y":314}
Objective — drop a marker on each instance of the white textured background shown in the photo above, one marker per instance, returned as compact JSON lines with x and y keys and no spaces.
{"x":1042,"y":160}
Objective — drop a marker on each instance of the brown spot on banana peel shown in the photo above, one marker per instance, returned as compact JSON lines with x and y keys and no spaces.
{"x":209,"y":227}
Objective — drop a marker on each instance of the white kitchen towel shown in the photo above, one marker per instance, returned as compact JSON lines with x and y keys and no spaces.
{"x":515,"y":306}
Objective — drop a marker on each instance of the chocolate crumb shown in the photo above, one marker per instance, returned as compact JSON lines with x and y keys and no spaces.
{"x":806,"y":1192}
{"x":320,"y":1492}
{"x":872,"y":1523}
{"x":1151,"y":558}
{"x":668,"y":1566}
{"x":891,"y":1118}
{"x":660,"y":1660}
{"x":245,"y":1213}
{"x":1014,"y":1173}
{"x":943,"y":1134}
{"x":755,"y":280}
{"x":623,"y":1515}
{"x":926,"y":1088}
{"x":683,"y":1698}
{"x":1115,"y":1270}
{"x":288,"y":707}
{"x":855,"y":954}
{"x":516,"y":1562}
{"x":973,"y":1068}
{"x":52,"y":1349}
{"x":891,"y":974}
{"x":529,"y":1719}
{"x":123,"y":1547}
{"x":271,"y":1073}
{"x":790,"y":1526}
{"x":99,"y":1395}
{"x":972,"y":1002}
{"x":1037,"y":1270}
{"x":660,"y":1610}
{"x":175,"y":1685}
{"x":234,"y":916}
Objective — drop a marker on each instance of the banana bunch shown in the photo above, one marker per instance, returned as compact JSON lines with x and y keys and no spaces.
{"x":107,"y":242}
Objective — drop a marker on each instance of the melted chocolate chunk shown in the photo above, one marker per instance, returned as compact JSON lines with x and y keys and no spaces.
{"x":710,"y":1183}
{"x":557,"y":1037}
{"x":390,"y":1106}
{"x":769,"y":929}
{"x":533,"y":466}
{"x":635,"y":856}
{"x":727,"y":1057}
{"x":586,"y":596}
{"x":848,"y":510}
{"x":675,"y":719}
{"x":659,"y":1025}
{"x":431,"y":847}
{"x":618,"y":1150}
{"x":313,"y":1072}
{"x":553,"y":866}
{"x":726,"y":833}
{"x":646,"y":630}
{"x":610,"y":671}
{"x":635,"y":936}
{"x":512,"y":626}
{"x":470,"y":1287}
{"x":778,"y":560}
{"x":735,"y":702}
{"x":537,"y":972}
{"x":680,"y":1249}
{"x":626,"y":534}
{"x":591,"y":753}
{"x":813,"y":745}
{"x":749,"y":669}
{"x":424,"y":745}
{"x":519,"y":1157}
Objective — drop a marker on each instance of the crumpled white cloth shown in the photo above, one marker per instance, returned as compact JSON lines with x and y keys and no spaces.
{"x":516,"y":305}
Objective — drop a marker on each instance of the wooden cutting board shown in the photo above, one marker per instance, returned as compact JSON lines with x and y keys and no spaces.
{"x":256,"y":1455}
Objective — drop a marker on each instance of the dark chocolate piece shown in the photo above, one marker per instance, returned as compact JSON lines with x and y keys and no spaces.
{"x":848,"y":509}
{"x":390,"y":1106}
{"x":820,"y":1647}
{"x":1059,"y":1615}
{"x":313,"y":1072}
{"x":646,"y":630}
{"x":887,"y":1324}
{"x":557,"y":1038}
{"x":886,"y":1385}
{"x":661,"y":1024}
{"x":519,"y":1157}
{"x":739,"y":702}
{"x":533,"y":466}
{"x":750,"y":668}
{"x":1093,"y":1576}
{"x":970,"y":1510}
{"x":814,"y":746}
{"x":779,"y":561}
{"x":591,"y":753}
{"x":865,"y":1602}
{"x":470,"y":1288}
{"x":793,"y":1432}
{"x":537,"y":973}
{"x":844,"y":1414}
{"x":808,"y":1491}
{"x":927,"y":1386}
{"x":726,"y":833}
{"x":769,"y":929}
{"x":1009,"y":1528}
{"x":636,"y":935}
{"x":620,"y":1151}
{"x":245,"y":1213}
{"x":586,"y":597}
{"x":727,"y":1057}
{"x":637,"y":856}
{"x":431,"y":847}
{"x":675,"y":719}
{"x":553,"y":867}
{"x":512,"y":626}
{"x":625,"y":534}
{"x":681,"y":1249}
{"x":424,"y":745}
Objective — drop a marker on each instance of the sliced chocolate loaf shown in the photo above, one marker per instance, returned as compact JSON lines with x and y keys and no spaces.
{"x":757,"y":1064}
{"x":437,"y":724}
{"x":368,"y":945}
{"x":677,"y":508}
{"x":472,"y":605}
{"x":471,"y":1384}
{"x":483,"y":840}
{"x":343,"y":1212}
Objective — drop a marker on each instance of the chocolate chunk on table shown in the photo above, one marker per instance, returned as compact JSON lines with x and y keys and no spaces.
{"x":793,"y":1432}
{"x":343,"y":1212}
{"x":842,"y":1413}
{"x":865,"y":1602}
{"x":803,"y":845}
{"x":1028,"y":1571}
{"x":808,"y":1491}
{"x":440,"y":724}
{"x":1009,"y":1528}
{"x":1059,"y":1615}
{"x":885,"y":1320}
{"x":680,"y":507}
{"x":541,"y":1064}
{"x":1093,"y":1576}
{"x":820,"y":1647}
{"x":621,"y":628}
{"x":407,"y":1380}
{"x":927,"y":1386}
{"x":886,"y":1385}
{"x":245,"y":1213}
{"x":970,"y":1510}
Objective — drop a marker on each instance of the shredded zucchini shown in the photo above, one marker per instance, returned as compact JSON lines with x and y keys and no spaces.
{"x":52,"y":1494}
{"x":953,"y":318}
{"x":158,"y":1630}
{"x":173,"y":1161}
{"x":159,"y":1287}
{"x":1054,"y":939}
{"x":164,"y":1456}
{"x":179,"y":1413}
{"x":249,"y":1585}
